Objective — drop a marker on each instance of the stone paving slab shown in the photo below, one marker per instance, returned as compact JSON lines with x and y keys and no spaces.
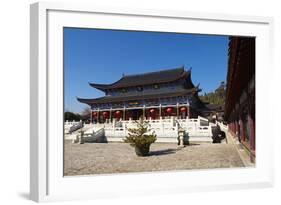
{"x":105,"y":158}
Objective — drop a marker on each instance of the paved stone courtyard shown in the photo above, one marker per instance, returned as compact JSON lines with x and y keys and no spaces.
{"x":105,"y":158}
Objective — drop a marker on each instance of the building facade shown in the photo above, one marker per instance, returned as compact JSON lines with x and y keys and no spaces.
{"x":153,"y":95}
{"x":240,"y":92}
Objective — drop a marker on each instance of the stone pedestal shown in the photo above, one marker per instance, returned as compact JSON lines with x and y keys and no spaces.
{"x":181,"y":137}
{"x":81,"y":139}
{"x":76,"y":140}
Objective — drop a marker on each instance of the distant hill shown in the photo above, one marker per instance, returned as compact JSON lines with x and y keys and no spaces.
{"x":215,"y":98}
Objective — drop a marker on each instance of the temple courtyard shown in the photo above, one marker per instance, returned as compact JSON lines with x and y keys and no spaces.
{"x":107,"y":158}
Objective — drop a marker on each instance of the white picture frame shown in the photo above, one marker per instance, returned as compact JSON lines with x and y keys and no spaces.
{"x":46,"y":102}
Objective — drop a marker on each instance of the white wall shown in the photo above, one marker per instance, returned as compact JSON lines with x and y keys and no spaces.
{"x":14,"y":103}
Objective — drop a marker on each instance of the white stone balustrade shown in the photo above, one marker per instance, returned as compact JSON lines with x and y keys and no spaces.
{"x":167,"y":130}
{"x":71,"y":126}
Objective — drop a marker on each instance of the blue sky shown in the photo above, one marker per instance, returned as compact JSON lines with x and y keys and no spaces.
{"x":102,"y":56}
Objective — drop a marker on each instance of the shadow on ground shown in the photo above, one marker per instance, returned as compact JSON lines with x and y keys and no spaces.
{"x":193,"y":144}
{"x":163,"y":152}
{"x":168,"y":151}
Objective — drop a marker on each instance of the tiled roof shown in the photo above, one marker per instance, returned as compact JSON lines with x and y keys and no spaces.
{"x":157,"y":77}
{"x":122,"y":98}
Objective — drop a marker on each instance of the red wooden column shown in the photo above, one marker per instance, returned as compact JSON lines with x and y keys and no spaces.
{"x":233,"y":128}
{"x":230,"y":127}
{"x":110,"y":115}
{"x":242,"y":134}
{"x":252,"y":132}
{"x":236,"y":128}
{"x":98,"y":113}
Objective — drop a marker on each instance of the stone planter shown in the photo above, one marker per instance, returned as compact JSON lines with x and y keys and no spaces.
{"x":142,"y":151}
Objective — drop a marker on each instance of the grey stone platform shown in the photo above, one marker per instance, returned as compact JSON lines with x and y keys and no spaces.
{"x":105,"y":158}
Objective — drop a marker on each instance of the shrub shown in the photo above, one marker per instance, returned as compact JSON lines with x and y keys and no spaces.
{"x":138,"y":137}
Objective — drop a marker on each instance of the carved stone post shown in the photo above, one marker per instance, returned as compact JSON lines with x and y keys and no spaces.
{"x":113,"y":123}
{"x":181,"y":134}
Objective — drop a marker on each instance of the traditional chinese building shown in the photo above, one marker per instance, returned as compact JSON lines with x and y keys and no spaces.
{"x":240,"y":92}
{"x":152,"y":95}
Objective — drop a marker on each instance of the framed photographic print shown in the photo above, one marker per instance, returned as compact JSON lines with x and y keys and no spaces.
{"x":132,"y":102}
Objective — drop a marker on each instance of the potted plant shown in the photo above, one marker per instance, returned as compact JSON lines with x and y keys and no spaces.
{"x":140,"y":139}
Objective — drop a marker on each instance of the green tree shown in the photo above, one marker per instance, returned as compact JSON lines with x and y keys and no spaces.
{"x":138,"y":138}
{"x":70,"y":116}
{"x":217,"y":97}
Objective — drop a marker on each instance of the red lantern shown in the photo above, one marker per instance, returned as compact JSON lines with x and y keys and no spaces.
{"x":152,"y":113}
{"x":117,"y":114}
{"x":95,"y":114}
{"x":169,"y":110}
{"x":105,"y":114}
{"x":183,"y":109}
